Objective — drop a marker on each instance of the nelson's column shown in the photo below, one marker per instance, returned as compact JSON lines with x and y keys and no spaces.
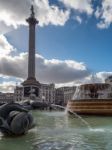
{"x":31,"y":85}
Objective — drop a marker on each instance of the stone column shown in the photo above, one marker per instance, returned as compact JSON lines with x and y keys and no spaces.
{"x":31,"y":57}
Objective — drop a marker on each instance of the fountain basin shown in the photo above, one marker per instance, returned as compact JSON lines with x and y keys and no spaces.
{"x":90,"y":107}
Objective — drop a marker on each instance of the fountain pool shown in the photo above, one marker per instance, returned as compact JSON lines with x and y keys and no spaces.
{"x":58,"y":131}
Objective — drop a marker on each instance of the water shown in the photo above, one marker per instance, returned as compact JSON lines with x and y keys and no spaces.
{"x":77,"y":94}
{"x":75,"y":114}
{"x":79,"y":117}
{"x":58,"y":131}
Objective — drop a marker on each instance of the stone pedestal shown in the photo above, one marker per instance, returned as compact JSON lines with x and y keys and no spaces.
{"x":31,"y":89}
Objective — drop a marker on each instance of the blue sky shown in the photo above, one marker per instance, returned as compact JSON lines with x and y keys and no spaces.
{"x":81,"y":42}
{"x":73,"y":40}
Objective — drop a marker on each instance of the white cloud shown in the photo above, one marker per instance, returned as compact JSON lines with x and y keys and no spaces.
{"x":104,"y":13}
{"x":60,"y":71}
{"x":103,"y":25}
{"x":99,"y":77}
{"x":5,"y":47}
{"x":103,"y":75}
{"x":7,"y":86}
{"x":79,"y":19}
{"x":83,"y":6}
{"x":13,"y":65}
{"x":50,"y":14}
{"x":4,"y":28}
{"x":14,"y":13}
{"x":47,"y":70}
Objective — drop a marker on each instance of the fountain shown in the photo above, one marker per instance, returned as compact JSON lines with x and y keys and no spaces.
{"x":92,"y":99}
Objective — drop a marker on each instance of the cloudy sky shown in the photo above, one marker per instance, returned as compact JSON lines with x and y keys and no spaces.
{"x":73,"y":41}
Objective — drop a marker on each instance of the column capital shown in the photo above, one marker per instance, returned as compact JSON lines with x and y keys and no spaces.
{"x":32,"y":20}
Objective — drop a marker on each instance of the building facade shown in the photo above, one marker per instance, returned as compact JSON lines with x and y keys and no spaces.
{"x":63,"y":94}
{"x":18,"y":93}
{"x":59,"y":96}
{"x":68,"y":93}
{"x":48,"y":93}
{"x":6,"y":97}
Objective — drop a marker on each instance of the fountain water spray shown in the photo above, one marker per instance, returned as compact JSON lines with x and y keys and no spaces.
{"x":79,"y":117}
{"x":77,"y":93}
{"x":76,"y":115}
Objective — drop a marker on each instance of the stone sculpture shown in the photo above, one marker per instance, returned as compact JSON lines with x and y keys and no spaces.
{"x":15,"y":119}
